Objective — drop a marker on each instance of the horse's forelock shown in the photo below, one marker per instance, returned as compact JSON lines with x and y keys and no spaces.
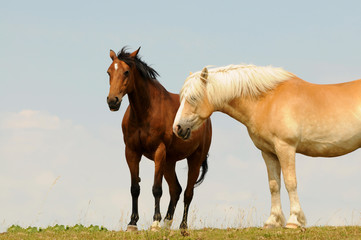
{"x":193,"y":89}
{"x":145,"y":70}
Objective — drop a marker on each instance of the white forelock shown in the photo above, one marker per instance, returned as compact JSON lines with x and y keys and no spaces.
{"x":229,"y":82}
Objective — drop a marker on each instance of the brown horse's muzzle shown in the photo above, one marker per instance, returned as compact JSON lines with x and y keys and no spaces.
{"x":114,"y":103}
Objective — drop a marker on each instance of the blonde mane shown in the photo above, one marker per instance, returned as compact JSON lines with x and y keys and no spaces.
{"x":232,"y":81}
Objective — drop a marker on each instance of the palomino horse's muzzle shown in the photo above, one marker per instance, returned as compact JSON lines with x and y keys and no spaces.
{"x":114,"y":103}
{"x":184,"y":133}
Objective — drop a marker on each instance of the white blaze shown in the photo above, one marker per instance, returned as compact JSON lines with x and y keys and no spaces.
{"x":116,"y":66}
{"x":179,"y":113}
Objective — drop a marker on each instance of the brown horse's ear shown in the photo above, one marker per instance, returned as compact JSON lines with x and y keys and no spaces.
{"x":135,"y":53}
{"x":204,"y":75}
{"x":112,"y":55}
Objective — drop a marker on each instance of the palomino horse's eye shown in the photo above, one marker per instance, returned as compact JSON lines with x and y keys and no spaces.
{"x":126,"y":73}
{"x":193,"y":98}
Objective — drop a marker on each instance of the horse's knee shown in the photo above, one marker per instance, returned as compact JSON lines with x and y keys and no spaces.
{"x":274,"y":186}
{"x":135,"y":190}
{"x":157,"y":191}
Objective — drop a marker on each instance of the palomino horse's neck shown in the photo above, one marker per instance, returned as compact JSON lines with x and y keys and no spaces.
{"x":241,"y":108}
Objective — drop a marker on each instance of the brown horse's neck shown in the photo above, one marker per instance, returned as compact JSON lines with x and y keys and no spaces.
{"x":142,"y":96}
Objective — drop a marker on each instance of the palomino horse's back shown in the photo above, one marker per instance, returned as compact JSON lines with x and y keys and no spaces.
{"x":325,"y":120}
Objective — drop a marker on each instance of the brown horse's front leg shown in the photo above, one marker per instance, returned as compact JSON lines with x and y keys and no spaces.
{"x":133,"y":159}
{"x":159,"y":161}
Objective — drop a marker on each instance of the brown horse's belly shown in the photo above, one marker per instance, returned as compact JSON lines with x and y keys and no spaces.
{"x":178,"y":149}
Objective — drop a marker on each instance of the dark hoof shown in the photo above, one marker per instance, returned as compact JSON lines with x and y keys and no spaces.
{"x":184,"y":233}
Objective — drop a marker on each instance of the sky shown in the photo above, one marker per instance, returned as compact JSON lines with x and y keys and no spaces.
{"x":62,"y":151}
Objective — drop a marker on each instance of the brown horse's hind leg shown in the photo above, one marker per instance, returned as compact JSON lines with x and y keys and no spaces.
{"x":133,"y":160}
{"x":194,"y":164}
{"x":175,"y":190}
{"x":159,"y":161}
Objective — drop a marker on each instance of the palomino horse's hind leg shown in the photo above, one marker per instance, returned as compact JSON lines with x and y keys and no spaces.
{"x":276,"y":219}
{"x":286,"y":155}
{"x":175,"y":190}
{"x":160,"y":163}
{"x":133,"y":160}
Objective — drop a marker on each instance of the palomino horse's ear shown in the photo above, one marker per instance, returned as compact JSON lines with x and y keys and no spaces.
{"x":190,"y":73}
{"x":112,"y":55}
{"x":135,"y":53}
{"x":204,"y":75}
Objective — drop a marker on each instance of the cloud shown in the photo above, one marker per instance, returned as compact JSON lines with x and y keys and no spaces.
{"x":36,"y":148}
{"x":30,"y":119}
{"x":46,"y":178}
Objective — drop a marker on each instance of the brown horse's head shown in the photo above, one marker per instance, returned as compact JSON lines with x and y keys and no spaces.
{"x":120,"y":76}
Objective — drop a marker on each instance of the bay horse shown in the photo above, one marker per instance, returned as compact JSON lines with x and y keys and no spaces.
{"x":147,"y":130}
{"x":284,"y":115}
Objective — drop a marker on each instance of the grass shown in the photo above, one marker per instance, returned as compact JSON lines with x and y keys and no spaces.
{"x":96,"y":232}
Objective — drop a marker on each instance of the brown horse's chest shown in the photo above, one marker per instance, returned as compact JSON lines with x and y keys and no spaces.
{"x":146,"y":138}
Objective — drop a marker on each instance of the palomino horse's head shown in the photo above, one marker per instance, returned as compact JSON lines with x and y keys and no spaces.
{"x":120,"y":77}
{"x":195,"y":107}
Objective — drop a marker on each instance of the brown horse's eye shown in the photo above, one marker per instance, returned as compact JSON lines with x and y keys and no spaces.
{"x":126,"y":73}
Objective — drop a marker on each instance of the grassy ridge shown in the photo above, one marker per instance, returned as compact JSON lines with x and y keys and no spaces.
{"x":95,"y":232}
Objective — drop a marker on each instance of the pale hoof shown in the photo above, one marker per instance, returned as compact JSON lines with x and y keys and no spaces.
{"x":132,"y":228}
{"x":167,"y":223}
{"x":270,"y":226}
{"x":155,"y":226}
{"x":292,"y":226}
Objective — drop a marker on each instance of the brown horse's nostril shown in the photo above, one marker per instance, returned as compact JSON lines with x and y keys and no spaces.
{"x":114,"y":103}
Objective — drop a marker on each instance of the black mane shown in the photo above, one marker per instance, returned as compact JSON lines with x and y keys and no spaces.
{"x":142,"y":67}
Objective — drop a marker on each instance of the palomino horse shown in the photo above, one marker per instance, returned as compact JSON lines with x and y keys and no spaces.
{"x":147,"y":130}
{"x":284,"y":115}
